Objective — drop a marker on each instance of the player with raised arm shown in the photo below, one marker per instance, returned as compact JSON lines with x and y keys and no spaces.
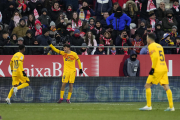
{"x":158,"y":73}
{"x":69,"y":73}
{"x":18,"y":74}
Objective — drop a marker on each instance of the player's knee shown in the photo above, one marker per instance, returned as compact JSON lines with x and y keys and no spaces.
{"x":147,"y":86}
{"x":15,"y":85}
{"x":28,"y":82}
{"x":166,"y":87}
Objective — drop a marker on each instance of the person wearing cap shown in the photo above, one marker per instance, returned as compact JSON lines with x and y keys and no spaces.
{"x":14,"y":50}
{"x":29,"y":38}
{"x":20,"y":30}
{"x":120,"y":21}
{"x":88,"y":12}
{"x":53,"y":29}
{"x":166,"y":41}
{"x":174,"y":32}
{"x":42,"y":39}
{"x":177,"y":44}
{"x":161,"y":11}
{"x":169,"y":20}
{"x":44,"y":18}
{"x":131,"y":66}
{"x":102,"y":6}
{"x":100,"y":50}
{"x":38,"y":29}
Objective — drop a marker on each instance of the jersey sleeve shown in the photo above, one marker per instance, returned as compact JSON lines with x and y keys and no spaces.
{"x":154,"y":55}
{"x":78,"y":60}
{"x":21,"y":60}
{"x":56,"y":50}
{"x":11,"y":63}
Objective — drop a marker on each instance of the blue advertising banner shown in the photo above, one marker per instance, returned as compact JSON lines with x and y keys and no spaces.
{"x":89,"y":89}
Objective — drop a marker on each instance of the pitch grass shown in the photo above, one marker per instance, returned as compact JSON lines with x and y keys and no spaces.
{"x":87,"y":111}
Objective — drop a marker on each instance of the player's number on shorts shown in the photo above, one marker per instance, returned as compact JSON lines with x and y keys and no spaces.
{"x":16,"y":64}
{"x":161,"y":55}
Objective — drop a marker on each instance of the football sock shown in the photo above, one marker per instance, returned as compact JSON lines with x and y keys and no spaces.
{"x":69,"y":95}
{"x":10,"y":93}
{"x":22,"y":86}
{"x":148,"y":97}
{"x":170,"y":98}
{"x":62,"y":94}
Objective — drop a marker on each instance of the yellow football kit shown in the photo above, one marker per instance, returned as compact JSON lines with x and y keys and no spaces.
{"x":159,"y":64}
{"x":69,"y":65}
{"x":16,"y":64}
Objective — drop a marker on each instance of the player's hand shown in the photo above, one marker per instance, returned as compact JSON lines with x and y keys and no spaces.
{"x":24,"y":74}
{"x":151,"y":71}
{"x":49,"y":42}
{"x":80,"y":72}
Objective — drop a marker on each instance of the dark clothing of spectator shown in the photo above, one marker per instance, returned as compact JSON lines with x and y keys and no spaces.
{"x":27,"y":40}
{"x":85,"y":9}
{"x":120,"y":42}
{"x":159,"y":34}
{"x":39,"y":7}
{"x":1,"y":28}
{"x":76,"y":41}
{"x":166,"y":50}
{"x":13,"y":42}
{"x":140,"y":31}
{"x":176,"y":13}
{"x":131,"y":66}
{"x":101,"y":7}
{"x":98,"y":32}
{"x":45,"y":19}
{"x":74,"y":3}
{"x":97,"y":52}
{"x":104,"y":23}
{"x":5,"y":42}
{"x":161,"y":14}
{"x":42,"y":40}
{"x":121,"y":2}
{"x":31,"y":6}
{"x":69,"y":13}
{"x":122,"y":52}
{"x":54,"y":14}
{"x":37,"y":50}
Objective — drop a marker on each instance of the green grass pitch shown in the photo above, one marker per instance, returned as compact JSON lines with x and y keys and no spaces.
{"x":87,"y":111}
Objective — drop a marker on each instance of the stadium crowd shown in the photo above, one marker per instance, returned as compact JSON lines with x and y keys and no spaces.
{"x":87,"y":23}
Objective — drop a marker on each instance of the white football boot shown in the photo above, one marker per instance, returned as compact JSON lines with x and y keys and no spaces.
{"x":170,"y":109}
{"x":146,"y":108}
{"x":8,"y":101}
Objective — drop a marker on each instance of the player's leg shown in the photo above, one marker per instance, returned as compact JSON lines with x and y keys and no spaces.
{"x":25,"y":82}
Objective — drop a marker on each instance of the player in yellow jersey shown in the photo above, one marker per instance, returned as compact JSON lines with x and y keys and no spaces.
{"x":18,"y":74}
{"x":69,"y":73}
{"x":158,"y":73}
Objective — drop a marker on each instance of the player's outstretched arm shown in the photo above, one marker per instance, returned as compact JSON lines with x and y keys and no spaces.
{"x":11,"y":65}
{"x":53,"y":48}
{"x":79,"y":63}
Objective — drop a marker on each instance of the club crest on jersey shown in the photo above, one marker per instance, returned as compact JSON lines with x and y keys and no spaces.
{"x":21,"y":57}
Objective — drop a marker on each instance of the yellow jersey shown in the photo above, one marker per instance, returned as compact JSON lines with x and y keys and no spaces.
{"x":69,"y":59}
{"x":156,"y":53}
{"x":16,"y":64}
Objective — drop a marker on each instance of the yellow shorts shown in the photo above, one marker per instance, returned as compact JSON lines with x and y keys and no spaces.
{"x":69,"y":77}
{"x":161,"y":78}
{"x":17,"y":79}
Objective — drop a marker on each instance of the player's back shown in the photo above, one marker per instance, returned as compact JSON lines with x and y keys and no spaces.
{"x":17,"y":60}
{"x":156,"y":50}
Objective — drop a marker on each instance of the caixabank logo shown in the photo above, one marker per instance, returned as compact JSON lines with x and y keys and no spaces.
{"x":1,"y":71}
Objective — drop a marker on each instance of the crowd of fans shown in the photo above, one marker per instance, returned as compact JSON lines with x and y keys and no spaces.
{"x":87,"y":23}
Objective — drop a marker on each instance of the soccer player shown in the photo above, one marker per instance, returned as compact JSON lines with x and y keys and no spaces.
{"x":158,"y":73}
{"x":18,"y":74}
{"x":69,"y":69}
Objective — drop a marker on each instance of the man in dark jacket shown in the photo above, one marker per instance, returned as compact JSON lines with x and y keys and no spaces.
{"x":44,"y":18}
{"x":16,"y":49}
{"x":120,"y":21}
{"x":36,"y":50}
{"x":142,"y":28}
{"x":55,"y":11}
{"x":74,"y":3}
{"x":8,"y":13}
{"x":101,"y":7}
{"x":1,"y":28}
{"x":159,"y":33}
{"x":103,"y":21}
{"x":161,"y":11}
{"x":125,"y":50}
{"x":132,"y":66}
{"x":123,"y":38}
{"x":4,"y":41}
{"x":76,"y":39}
{"x":166,"y":41}
{"x":177,"y":44}
{"x":28,"y":39}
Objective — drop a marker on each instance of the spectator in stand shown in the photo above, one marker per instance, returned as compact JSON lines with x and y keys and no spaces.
{"x":69,"y":12}
{"x":5,"y":41}
{"x":176,"y":9}
{"x":106,"y":39}
{"x":147,"y":31}
{"x":159,"y":33}
{"x":36,"y":50}
{"x":31,"y":21}
{"x":29,"y":38}
{"x":123,"y":38}
{"x":16,"y":49}
{"x":31,"y":6}
{"x":83,"y":50}
{"x":100,"y":50}
{"x":115,"y":6}
{"x":48,"y":4}
{"x":20,"y":30}
{"x":85,"y":12}
{"x":161,"y":11}
{"x":144,"y":51}
{"x":42,"y":39}
{"x":131,"y":10}
{"x":101,"y":7}
{"x":131,"y":66}
{"x":113,"y":51}
{"x":177,"y":44}
{"x":38,"y":29}
{"x":8,"y":13}
{"x":142,"y":28}
{"x":13,"y":40}
{"x":152,"y":20}
{"x":120,"y":21}
{"x":174,"y":33}
{"x":98,"y":31}
{"x":74,"y":3}
{"x":103,"y":21}
{"x":76,"y":39}
{"x":84,"y":28}
{"x":44,"y":18}
{"x":61,"y":22}
{"x":137,"y":43}
{"x":121,"y":2}
{"x":1,"y":28}
{"x":125,"y":50}
{"x":166,"y":41}
{"x":55,"y":11}
{"x":39,"y":6}
{"x":69,"y":31}
{"x":76,"y":22}
{"x":14,"y":21}
{"x":91,"y":23}
{"x":169,"y":21}
{"x":53,"y":32}
{"x":22,"y":7}
{"x":91,"y":41}
{"x":147,"y":6}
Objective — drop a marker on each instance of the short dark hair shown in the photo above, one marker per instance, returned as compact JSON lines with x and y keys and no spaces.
{"x":21,"y":47}
{"x":116,"y":3}
{"x":5,"y":32}
{"x":152,"y":36}
{"x":123,"y":31}
{"x":66,"y":45}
